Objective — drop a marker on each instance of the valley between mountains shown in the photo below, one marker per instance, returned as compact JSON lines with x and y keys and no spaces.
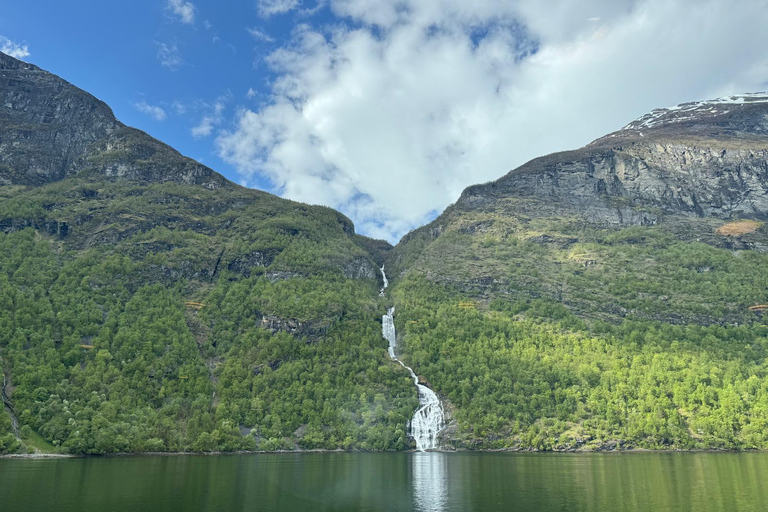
{"x":606,"y":298}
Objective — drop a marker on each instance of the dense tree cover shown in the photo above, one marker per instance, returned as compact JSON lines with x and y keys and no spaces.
{"x":168,"y":317}
{"x":188,"y":231}
{"x":8,"y":441}
{"x":553,"y":335}
{"x":152,"y":341}
{"x":335,"y":385}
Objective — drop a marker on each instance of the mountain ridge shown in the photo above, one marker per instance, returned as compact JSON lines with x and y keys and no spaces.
{"x":726,"y":176}
{"x":610,"y":297}
{"x":599,"y":299}
{"x":54,"y":130}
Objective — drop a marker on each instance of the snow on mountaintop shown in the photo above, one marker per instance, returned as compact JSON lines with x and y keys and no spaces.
{"x":694,"y":110}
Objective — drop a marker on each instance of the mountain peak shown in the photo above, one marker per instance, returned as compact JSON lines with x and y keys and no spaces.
{"x":696,"y":110}
{"x":704,"y":158}
{"x":730,"y":118}
{"x":8,"y":62}
{"x":51,"y":130}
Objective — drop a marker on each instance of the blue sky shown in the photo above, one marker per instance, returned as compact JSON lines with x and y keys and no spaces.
{"x":388,"y":109}
{"x":111,"y":49}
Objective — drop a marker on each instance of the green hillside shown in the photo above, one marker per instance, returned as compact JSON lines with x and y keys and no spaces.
{"x":177,"y":318}
{"x":626,"y":336}
{"x":611,"y":297}
{"x":605,"y":298}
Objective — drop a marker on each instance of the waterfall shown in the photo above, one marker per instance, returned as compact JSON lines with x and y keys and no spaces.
{"x":428,"y":420}
{"x":386,"y":282}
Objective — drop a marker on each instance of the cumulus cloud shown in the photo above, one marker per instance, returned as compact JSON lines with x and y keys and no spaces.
{"x":184,"y":11}
{"x":393,"y":111}
{"x":15,"y":50}
{"x":269,"y":8}
{"x":155,"y":112}
{"x":169,"y":56}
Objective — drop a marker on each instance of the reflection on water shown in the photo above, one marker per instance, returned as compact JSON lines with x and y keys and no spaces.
{"x":430,"y":481}
{"x":390,"y":482}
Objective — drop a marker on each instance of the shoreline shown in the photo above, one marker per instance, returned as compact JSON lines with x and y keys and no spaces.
{"x":38,"y":456}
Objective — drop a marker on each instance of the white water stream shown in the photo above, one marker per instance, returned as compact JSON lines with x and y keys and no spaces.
{"x":428,"y":420}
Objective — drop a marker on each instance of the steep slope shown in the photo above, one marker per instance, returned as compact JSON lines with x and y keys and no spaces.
{"x":51,"y":130}
{"x":605,"y":296}
{"x":148,"y":304}
{"x":703,"y":159}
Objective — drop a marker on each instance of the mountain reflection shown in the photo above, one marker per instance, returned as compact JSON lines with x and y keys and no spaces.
{"x":430,"y":481}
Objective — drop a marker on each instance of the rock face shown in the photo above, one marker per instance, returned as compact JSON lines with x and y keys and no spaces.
{"x":359,"y":268}
{"x":245,"y":264}
{"x":312,"y":332}
{"x":702,"y":159}
{"x":50,"y":130}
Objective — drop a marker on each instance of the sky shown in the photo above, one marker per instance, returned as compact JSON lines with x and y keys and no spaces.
{"x":387,"y":109}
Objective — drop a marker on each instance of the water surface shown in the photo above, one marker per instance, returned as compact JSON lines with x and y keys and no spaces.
{"x":390,"y":482}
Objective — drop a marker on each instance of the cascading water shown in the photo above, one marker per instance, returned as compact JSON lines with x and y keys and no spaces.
{"x":428,"y":420}
{"x":386,"y":282}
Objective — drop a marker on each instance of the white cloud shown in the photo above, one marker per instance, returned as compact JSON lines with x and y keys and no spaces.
{"x":15,"y":50}
{"x":213,"y":118}
{"x":169,"y":56}
{"x":389,"y":116}
{"x":311,"y":11}
{"x":269,"y":8}
{"x":185,"y":11}
{"x":157,"y":113}
{"x":179,"y":107}
{"x":260,"y":35}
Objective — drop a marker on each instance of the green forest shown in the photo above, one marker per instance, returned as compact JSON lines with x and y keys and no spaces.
{"x":175,"y":318}
{"x":228,"y":321}
{"x":546,"y":334}
{"x":101,"y":364}
{"x":622,"y":338}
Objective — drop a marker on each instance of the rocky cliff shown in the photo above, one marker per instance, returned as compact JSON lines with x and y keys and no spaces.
{"x":51,"y":130}
{"x":705,"y":158}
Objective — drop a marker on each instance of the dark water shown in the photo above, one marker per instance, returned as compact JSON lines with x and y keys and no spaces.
{"x":374,"y":482}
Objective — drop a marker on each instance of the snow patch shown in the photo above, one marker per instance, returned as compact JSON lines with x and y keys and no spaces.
{"x":695,"y":109}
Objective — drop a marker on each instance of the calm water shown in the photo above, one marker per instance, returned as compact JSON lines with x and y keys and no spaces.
{"x":373,"y":482}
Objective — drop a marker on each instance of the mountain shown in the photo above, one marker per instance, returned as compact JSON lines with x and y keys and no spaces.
{"x":51,"y":130}
{"x":604,"y":297}
{"x":703,"y":158}
{"x":149,"y":304}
